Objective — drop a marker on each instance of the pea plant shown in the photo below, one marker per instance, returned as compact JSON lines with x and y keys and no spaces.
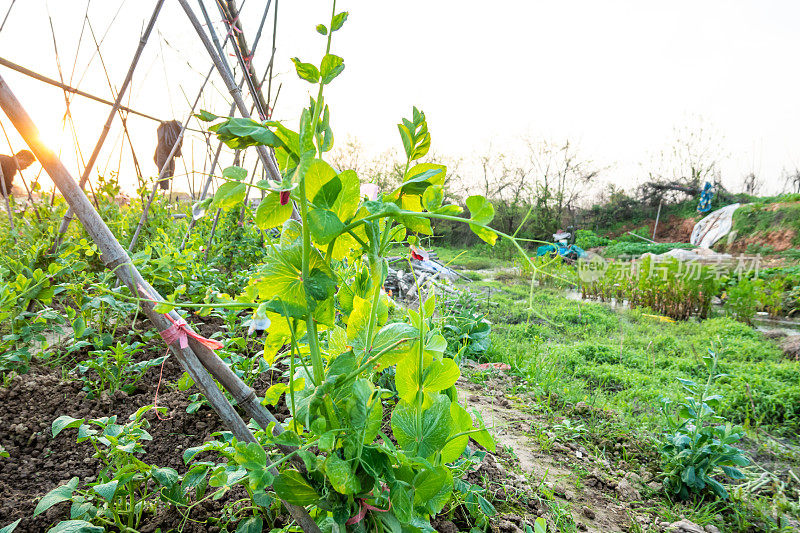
{"x":126,"y":489}
{"x":320,"y":292}
{"x":112,"y":369}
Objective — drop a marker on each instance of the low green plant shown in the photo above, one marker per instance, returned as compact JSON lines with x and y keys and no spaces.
{"x":698,"y":443}
{"x":126,"y":488}
{"x":465,"y":328}
{"x":667,"y":286}
{"x":112,"y":369}
{"x":586,"y":239}
{"x":747,"y":296}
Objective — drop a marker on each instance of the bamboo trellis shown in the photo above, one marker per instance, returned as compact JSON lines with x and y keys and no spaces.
{"x":197,"y":359}
{"x":107,"y":127}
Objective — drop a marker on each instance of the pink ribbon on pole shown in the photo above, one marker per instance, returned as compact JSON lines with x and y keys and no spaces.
{"x":179,"y":330}
{"x":362,"y":512}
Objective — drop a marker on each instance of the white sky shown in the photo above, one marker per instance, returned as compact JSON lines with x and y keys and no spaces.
{"x":616,"y":76}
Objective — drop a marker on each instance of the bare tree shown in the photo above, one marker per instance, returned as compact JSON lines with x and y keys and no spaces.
{"x":693,"y":159}
{"x":792,"y":180}
{"x":752,"y":184}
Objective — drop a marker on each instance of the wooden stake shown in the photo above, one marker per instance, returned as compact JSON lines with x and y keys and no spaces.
{"x":107,"y":127}
{"x":266,"y":158}
{"x":196,"y":359}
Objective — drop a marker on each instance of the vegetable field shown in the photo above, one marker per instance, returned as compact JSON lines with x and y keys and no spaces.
{"x":234,"y":361}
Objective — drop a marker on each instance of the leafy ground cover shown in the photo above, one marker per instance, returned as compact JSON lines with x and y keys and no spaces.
{"x":619,"y":364}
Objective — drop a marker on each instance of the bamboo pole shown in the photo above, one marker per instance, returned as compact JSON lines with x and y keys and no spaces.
{"x":123,"y":116}
{"x":214,"y":37}
{"x":207,"y":184}
{"x":72,"y":90}
{"x":266,"y":157}
{"x":197,"y":359}
{"x":107,"y":127}
{"x":243,"y":54}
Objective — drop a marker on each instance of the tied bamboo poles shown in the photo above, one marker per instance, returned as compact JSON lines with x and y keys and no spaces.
{"x":266,"y":157}
{"x":230,"y":13}
{"x":107,"y":127}
{"x":199,"y":361}
{"x":267,"y":72}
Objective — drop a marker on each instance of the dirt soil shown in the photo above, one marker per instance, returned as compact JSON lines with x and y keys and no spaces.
{"x":38,"y":463}
{"x":779,"y":239}
{"x":671,"y":229}
{"x":597,"y":494}
{"x":538,"y":470}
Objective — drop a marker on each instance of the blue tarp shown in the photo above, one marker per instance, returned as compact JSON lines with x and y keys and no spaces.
{"x":562,"y":250}
{"x":705,"y":198}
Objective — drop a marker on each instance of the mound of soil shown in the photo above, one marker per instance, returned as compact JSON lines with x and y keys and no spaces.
{"x":38,"y":462}
{"x":779,"y":239}
{"x":670,"y":229}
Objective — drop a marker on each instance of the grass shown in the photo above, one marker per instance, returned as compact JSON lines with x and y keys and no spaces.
{"x":475,"y":258}
{"x":595,"y":374}
{"x":625,"y":361}
{"x":763,"y":218}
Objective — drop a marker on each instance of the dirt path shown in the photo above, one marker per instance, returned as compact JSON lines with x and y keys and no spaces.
{"x":574,"y":488}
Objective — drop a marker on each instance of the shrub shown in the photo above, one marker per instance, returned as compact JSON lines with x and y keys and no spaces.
{"x":697,"y":442}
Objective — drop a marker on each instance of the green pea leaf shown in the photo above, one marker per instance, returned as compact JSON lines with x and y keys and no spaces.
{"x":431,"y":437}
{"x":291,"y":487}
{"x":321,"y":29}
{"x":327,"y":195}
{"x":440,"y":375}
{"x":390,"y":335}
{"x":432,"y":198}
{"x":324,"y":225}
{"x":338,"y":20}
{"x":252,"y":524}
{"x":480,"y":209}
{"x":306,"y":71}
{"x":331,"y":66}
{"x":319,"y":285}
{"x":341,"y":475}
{"x":235,"y":173}
{"x":270,"y":213}
{"x":482,"y":212}
{"x":402,"y":502}
{"x":205,"y":116}
{"x":229,"y":195}
{"x":461,"y":422}
{"x":347,"y":200}
{"x":433,"y":488}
